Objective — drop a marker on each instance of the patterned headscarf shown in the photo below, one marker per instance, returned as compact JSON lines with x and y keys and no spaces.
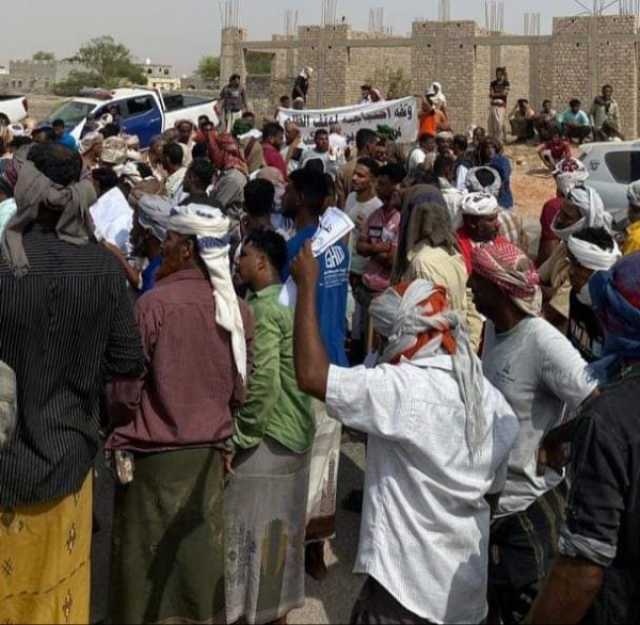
{"x":479,"y":205}
{"x":211,"y":228}
{"x":418,"y":323}
{"x":226,"y":154}
{"x":511,"y":270}
{"x":615,"y":296}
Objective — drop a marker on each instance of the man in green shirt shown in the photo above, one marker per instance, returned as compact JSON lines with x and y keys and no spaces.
{"x":266,"y":499}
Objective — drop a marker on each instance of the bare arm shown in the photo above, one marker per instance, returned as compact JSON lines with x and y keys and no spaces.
{"x":571,"y":589}
{"x":310,"y":356}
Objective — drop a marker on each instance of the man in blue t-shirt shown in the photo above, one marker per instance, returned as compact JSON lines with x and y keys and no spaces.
{"x":575,"y":123}
{"x":62,"y":136}
{"x":304,"y":202}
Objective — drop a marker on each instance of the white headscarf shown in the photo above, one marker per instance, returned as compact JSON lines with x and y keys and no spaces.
{"x":592,"y":256}
{"x":402,"y":319}
{"x":591,"y":207}
{"x":633,"y":194}
{"x":436,"y":95}
{"x":211,"y":228}
{"x":479,"y":204}
{"x":569,"y":173}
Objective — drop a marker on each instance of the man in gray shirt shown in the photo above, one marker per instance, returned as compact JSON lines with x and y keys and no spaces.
{"x":542,"y":376}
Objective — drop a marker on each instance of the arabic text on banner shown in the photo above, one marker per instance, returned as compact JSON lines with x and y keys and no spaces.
{"x":399,"y":115}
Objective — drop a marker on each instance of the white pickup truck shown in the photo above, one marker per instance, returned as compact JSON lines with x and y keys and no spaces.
{"x":142,"y":112}
{"x":15,"y":107}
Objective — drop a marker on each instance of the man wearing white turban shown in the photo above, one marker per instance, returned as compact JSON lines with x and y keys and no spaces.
{"x":582,"y":208}
{"x":174,"y":422}
{"x":590,"y":250}
{"x":568,"y":173}
{"x":439,"y":434}
{"x":480,"y":217}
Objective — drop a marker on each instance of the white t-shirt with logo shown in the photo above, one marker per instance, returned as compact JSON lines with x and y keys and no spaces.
{"x":359,"y":212}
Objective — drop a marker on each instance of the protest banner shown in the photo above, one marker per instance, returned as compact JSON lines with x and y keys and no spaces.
{"x":398,"y":118}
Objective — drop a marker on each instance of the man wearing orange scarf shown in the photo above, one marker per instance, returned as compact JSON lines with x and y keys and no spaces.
{"x":439,"y":439}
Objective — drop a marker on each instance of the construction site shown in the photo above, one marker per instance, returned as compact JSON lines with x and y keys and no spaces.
{"x":597,"y":46}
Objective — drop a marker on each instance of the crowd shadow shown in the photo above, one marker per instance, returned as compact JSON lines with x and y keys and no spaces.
{"x":339,"y":591}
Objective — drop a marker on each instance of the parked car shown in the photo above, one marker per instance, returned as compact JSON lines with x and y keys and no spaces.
{"x":15,"y":107}
{"x":612,"y":168}
{"x":142,"y":112}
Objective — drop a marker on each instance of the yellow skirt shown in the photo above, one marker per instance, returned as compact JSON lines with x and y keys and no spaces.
{"x":45,"y":552}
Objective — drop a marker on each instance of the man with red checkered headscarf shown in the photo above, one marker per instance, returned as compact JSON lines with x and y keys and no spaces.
{"x":439,"y":434}
{"x":539,"y":372}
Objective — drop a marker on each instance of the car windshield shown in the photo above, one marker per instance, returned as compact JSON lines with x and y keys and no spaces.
{"x":72,"y":112}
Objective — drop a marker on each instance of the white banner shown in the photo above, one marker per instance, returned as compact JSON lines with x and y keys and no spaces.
{"x":399,"y":115}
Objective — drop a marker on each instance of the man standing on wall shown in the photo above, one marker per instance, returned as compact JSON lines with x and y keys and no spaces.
{"x":233,"y":100}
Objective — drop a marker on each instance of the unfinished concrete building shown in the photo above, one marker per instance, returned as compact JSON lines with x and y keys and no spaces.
{"x":580,"y":55}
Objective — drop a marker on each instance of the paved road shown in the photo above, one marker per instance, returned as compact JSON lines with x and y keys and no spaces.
{"x":332,"y":600}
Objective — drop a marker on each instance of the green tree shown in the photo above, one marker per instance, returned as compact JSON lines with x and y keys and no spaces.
{"x":44,"y":56}
{"x":110,"y":61}
{"x":77,"y":81}
{"x":209,"y":68}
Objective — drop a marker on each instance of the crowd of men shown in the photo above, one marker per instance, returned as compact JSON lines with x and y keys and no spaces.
{"x":172,"y":401}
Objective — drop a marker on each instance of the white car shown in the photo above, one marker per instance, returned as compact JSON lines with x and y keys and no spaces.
{"x":612,"y":168}
{"x":15,"y":107}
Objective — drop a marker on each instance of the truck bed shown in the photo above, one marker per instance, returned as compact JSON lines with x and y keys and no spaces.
{"x":177,"y":101}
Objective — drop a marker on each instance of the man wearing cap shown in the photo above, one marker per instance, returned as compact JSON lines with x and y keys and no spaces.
{"x":595,"y":579}
{"x":539,"y":372}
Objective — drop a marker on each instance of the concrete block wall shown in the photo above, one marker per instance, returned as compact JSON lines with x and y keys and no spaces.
{"x":232,"y":60}
{"x":482,"y":76}
{"x":579,"y":57}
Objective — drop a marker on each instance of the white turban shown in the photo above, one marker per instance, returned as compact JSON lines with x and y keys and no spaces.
{"x":404,"y":319}
{"x":633,"y":194}
{"x":211,"y":228}
{"x":569,"y":173}
{"x":479,"y":204}
{"x":591,"y":207}
{"x":592,"y":256}
{"x":153,"y":214}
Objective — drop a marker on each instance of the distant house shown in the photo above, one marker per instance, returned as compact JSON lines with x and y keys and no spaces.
{"x":160,"y":76}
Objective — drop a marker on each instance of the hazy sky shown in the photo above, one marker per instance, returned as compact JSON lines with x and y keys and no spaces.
{"x":181,"y":31}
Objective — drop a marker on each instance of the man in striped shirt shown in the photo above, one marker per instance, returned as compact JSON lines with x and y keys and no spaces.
{"x":66,"y":324}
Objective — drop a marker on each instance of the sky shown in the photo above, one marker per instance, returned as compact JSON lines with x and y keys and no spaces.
{"x":181,"y":32}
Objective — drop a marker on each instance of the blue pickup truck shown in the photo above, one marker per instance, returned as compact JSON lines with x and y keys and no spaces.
{"x":142,"y":112}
